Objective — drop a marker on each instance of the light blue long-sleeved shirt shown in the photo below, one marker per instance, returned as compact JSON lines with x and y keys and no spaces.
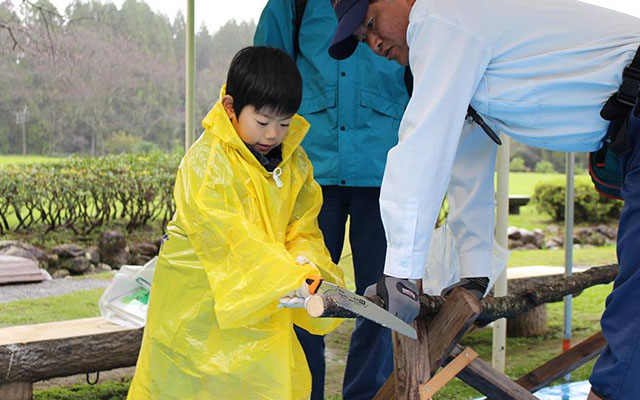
{"x":539,"y":71}
{"x":354,"y":106}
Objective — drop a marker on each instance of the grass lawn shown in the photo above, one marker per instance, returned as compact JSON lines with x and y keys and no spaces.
{"x":76,"y":305}
{"x":524,"y":182}
{"x":581,"y":257}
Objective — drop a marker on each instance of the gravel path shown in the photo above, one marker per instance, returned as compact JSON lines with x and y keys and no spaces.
{"x":56,"y":287}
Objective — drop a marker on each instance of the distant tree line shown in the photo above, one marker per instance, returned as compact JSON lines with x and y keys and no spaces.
{"x":96,"y":79}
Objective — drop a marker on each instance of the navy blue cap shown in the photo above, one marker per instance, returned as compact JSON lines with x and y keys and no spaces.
{"x":350,"y":14}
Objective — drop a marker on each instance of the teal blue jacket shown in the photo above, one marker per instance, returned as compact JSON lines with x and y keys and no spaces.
{"x":354,"y":106}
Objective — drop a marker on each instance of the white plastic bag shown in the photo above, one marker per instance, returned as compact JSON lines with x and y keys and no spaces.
{"x":443,"y":262}
{"x":125,"y":301}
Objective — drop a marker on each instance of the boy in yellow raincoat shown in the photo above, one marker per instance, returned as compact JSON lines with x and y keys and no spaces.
{"x":243,"y":237}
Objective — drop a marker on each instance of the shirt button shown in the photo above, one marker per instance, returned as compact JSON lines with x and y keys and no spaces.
{"x":343,"y":74}
{"x":342,"y":128}
{"x":343,"y":182}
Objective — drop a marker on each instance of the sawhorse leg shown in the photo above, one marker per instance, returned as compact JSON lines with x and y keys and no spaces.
{"x":417,"y":360}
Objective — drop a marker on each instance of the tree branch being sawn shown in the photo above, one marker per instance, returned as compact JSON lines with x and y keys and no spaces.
{"x":494,"y":308}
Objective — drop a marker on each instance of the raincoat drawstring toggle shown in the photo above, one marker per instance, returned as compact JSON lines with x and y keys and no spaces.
{"x":276,"y":176}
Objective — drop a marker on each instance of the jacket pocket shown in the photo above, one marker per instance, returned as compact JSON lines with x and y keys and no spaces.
{"x":319,"y":102}
{"x":381,"y":105}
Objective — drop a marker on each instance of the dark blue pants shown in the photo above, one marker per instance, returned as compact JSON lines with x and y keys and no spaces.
{"x":370,"y":359}
{"x":616,"y":374}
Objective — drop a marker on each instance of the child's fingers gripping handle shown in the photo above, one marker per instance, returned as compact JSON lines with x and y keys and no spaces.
{"x":313,"y":282}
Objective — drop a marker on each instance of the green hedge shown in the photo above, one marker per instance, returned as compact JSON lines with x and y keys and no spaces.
{"x":84,"y":193}
{"x":589,"y":206}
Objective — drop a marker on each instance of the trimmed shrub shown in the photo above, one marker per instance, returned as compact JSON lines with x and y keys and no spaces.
{"x":517,"y":164}
{"x":146,"y":147}
{"x":121,"y":142}
{"x":545,"y":167}
{"x":589,"y":206}
{"x":84,"y":193}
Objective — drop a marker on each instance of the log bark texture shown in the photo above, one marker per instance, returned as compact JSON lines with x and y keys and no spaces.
{"x":34,"y":361}
{"x":442,"y":332}
{"x":512,"y":305}
{"x":411,"y":362}
{"x":494,"y":308}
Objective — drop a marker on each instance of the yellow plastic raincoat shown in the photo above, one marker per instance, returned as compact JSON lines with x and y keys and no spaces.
{"x":214,"y":330}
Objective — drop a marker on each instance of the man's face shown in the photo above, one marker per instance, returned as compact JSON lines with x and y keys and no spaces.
{"x":384,"y":29}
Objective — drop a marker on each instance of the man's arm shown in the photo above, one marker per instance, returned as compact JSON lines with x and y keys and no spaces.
{"x":471,"y":197}
{"x":448,"y":63}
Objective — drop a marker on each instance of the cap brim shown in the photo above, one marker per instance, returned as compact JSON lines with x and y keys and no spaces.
{"x":344,"y":43}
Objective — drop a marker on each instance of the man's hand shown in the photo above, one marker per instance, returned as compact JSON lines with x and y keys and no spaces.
{"x":400,"y":297}
{"x":477,"y":286}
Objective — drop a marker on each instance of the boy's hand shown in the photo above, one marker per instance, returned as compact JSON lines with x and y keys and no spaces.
{"x":296,"y":298}
{"x":400,"y":297}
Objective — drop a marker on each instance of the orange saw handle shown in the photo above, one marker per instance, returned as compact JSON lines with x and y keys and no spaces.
{"x":313,"y":282}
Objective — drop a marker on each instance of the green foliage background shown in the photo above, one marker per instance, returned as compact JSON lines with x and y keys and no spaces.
{"x":589,"y":206}
{"x":93,"y":71}
{"x":82,"y":194}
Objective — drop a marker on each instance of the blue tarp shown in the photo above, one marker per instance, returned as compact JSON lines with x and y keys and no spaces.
{"x":566,"y":391}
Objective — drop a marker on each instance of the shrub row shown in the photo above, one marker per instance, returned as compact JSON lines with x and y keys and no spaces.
{"x":84,"y":193}
{"x":589,"y":206}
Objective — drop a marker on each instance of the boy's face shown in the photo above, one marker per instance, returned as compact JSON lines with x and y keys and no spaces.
{"x":260,"y":129}
{"x":384,"y":29}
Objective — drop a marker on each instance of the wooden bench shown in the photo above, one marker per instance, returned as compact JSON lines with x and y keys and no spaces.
{"x":516,"y":201}
{"x":31,"y":353}
{"x":19,"y":269}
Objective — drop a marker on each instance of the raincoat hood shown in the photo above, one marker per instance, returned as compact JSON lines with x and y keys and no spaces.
{"x":217,"y":123}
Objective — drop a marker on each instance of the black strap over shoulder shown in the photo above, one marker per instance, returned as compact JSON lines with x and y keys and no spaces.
{"x":300,"y":6}
{"x":604,"y":164}
{"x":618,"y":107}
{"x":630,"y":87}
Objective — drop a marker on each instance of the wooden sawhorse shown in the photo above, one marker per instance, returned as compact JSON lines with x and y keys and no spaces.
{"x":416,"y":361}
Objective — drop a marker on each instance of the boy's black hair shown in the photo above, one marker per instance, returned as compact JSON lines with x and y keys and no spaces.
{"x":266,"y":78}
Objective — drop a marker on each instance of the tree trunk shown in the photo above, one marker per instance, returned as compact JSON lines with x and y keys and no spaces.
{"x":24,"y":138}
{"x":16,"y":391}
{"x":531,"y":323}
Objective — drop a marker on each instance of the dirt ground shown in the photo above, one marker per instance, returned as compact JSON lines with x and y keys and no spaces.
{"x":113,"y":375}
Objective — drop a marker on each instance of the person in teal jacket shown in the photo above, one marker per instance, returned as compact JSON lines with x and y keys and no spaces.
{"x":354,"y":108}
